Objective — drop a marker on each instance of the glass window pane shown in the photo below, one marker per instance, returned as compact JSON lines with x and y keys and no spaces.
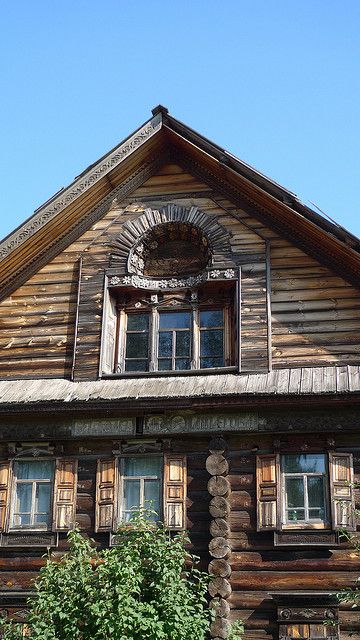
{"x":34,"y":469}
{"x":164,"y":365}
{"x":214,"y":318}
{"x":152,"y":497}
{"x":316,"y":491}
{"x":294,"y":488}
{"x":137,"y":345}
{"x":143,"y":466}
{"x":131,"y":496}
{"x":303,"y":463}
{"x":296,"y":515}
{"x":23,"y":498}
{"x":182,"y":343}
{"x":182,"y":364}
{"x":21,"y":520}
{"x":209,"y":363}
{"x":165,"y":343}
{"x":175,"y":320}
{"x":138,"y":322}
{"x":136,"y":365}
{"x":211,"y":342}
{"x":43,"y":495}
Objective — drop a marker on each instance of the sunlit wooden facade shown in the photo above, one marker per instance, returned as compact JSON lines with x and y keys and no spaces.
{"x":176,"y":327}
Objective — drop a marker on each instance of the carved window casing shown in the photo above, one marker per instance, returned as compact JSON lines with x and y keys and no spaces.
{"x":305,"y":492}
{"x":307,"y":616}
{"x":128,"y":483}
{"x":37,"y":495}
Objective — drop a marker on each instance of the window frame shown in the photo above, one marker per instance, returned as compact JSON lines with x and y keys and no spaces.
{"x":120,"y":498}
{"x":13,"y":492}
{"x":154,"y":331}
{"x":307,"y":524}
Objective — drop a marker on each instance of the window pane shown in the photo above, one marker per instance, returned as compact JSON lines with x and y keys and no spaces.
{"x":141,"y":466}
{"x":164,"y":365}
{"x":21,"y":520}
{"x":152,"y":497}
{"x":34,"y":470}
{"x":316,"y":491}
{"x":165,"y":343}
{"x":296,"y":515}
{"x":136,"y":365}
{"x":137,"y":345}
{"x":209,"y":363}
{"x":131,"y":497}
{"x":138,"y":322}
{"x":182,"y":364}
{"x":303,"y":463}
{"x":23,"y":498}
{"x":212,"y":318}
{"x":182,"y":343}
{"x":42,"y":503}
{"x":294,"y":488}
{"x":177,"y":320}
{"x":211,"y":343}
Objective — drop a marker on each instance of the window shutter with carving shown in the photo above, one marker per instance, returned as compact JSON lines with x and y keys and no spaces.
{"x":65,"y":494}
{"x":267,"y":486}
{"x":342,"y":492}
{"x":106,"y":486}
{"x":4,"y":492}
{"x":175,"y":480}
{"x":108,"y":339}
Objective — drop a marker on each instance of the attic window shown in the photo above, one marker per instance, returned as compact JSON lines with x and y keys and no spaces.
{"x":174,"y":248}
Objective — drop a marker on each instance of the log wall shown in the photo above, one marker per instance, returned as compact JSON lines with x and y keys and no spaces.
{"x":315,"y":313}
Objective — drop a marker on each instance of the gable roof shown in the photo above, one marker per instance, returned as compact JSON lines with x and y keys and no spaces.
{"x":72,"y":210}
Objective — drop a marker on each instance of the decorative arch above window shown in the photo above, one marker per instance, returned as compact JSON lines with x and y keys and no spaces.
{"x":170,"y":248}
{"x":162,"y":234}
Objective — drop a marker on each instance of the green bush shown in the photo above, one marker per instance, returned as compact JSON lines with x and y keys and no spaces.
{"x":136,"y":590}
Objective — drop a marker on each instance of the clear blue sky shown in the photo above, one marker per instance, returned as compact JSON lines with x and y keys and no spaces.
{"x":276,"y":82}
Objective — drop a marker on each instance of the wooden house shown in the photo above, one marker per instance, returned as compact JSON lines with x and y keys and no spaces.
{"x":176,"y":327}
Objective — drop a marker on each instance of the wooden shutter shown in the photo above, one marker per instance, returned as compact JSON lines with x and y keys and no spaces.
{"x":267,"y":485}
{"x":4,"y":492}
{"x":175,"y":480}
{"x":108,"y":339}
{"x":106,"y":485}
{"x":65,"y":494}
{"x":341,"y":489}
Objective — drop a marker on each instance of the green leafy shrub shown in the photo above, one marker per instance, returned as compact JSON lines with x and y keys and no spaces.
{"x":139,"y":589}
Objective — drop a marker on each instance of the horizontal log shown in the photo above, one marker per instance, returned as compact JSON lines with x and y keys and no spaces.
{"x":219,"y":587}
{"x":17,"y":580}
{"x":220,"y":606}
{"x":219,"y":527}
{"x":218,"y":486}
{"x":217,"y":445}
{"x":219,"y":548}
{"x":277,"y":580}
{"x":217,"y":465}
{"x":220,"y":627}
{"x":220,"y":567}
{"x":219,"y":507}
{"x":291,"y":561}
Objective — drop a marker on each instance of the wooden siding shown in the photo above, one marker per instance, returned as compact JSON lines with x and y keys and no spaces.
{"x":257,"y":567}
{"x":315,"y":313}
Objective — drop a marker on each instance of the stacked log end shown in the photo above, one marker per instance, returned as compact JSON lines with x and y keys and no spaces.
{"x":219,"y":547}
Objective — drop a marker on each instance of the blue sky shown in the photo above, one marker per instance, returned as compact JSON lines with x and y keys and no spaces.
{"x":277,"y":83}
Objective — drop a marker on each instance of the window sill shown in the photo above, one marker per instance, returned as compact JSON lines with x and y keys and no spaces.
{"x":306,"y":538}
{"x":29,"y":538}
{"x":307,"y":526}
{"x":167,"y":374}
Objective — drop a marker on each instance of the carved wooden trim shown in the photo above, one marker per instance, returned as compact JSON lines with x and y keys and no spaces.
{"x":130,"y":241}
{"x":284,"y":228}
{"x":50,"y":209}
{"x":60,"y":243}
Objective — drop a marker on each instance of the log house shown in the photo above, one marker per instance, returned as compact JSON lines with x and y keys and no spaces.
{"x":177,"y":327}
